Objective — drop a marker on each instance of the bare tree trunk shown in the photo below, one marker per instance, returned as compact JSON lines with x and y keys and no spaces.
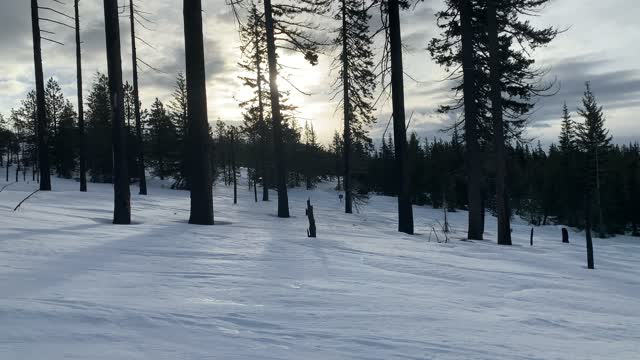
{"x":504,"y":226}
{"x":589,"y":239}
{"x":278,"y":142}
{"x":346,"y":114}
{"x":42,"y":132}
{"x":565,"y":235}
{"x":198,"y":133}
{"x":83,"y":150}
{"x":233,"y":166}
{"x":122,"y":196}
{"x":474,"y":190}
{"x":405,"y":210}
{"x":136,"y":106}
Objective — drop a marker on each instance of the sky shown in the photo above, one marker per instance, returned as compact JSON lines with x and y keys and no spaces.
{"x":600,"y":46}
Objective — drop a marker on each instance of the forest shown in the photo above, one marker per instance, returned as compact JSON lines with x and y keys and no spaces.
{"x":483,"y":163}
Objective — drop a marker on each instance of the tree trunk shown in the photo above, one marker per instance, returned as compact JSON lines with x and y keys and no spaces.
{"x":504,"y":226}
{"x":198,"y":133}
{"x":346,"y":114}
{"x":278,"y":142}
{"x":233,"y":166}
{"x":565,"y":235}
{"x":122,"y":196}
{"x":589,"y":239}
{"x":42,"y":132}
{"x":83,"y":150}
{"x":136,"y":98}
{"x":405,"y":211}
{"x":474,"y":189}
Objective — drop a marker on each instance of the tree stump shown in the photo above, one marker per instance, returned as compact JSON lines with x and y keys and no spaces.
{"x":311,"y":232}
{"x":565,"y":235}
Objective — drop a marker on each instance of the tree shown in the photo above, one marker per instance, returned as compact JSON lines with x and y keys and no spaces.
{"x":474,"y":188}
{"x":281,"y":25}
{"x":43,"y":145}
{"x":594,"y":141}
{"x":254,"y":61}
{"x":122,"y":201}
{"x":495,"y":74}
{"x":462,"y":49}
{"x":81,"y":130}
{"x":162,"y":140}
{"x":136,"y":98}
{"x":55,"y":102}
{"x":405,"y":210}
{"x":178,"y":112}
{"x":65,"y":142}
{"x":200,"y":181}
{"x":356,"y":82}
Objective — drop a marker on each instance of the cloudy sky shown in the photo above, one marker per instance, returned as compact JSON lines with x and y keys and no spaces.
{"x":600,"y":46}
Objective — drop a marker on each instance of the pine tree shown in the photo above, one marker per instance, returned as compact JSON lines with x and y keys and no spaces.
{"x":567,"y":131}
{"x":593,"y":139}
{"x":162,"y":140}
{"x":98,"y":116}
{"x":200,"y":173}
{"x":65,"y":142}
{"x":356,"y":82}
{"x":42,"y":130}
{"x":178,"y":112}
{"x":81,"y":123}
{"x":282,"y":19}
{"x":121,"y":192}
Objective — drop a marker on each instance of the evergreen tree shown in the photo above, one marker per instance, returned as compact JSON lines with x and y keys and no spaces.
{"x":162,"y":140}
{"x":65,"y":142}
{"x":356,"y":82}
{"x":178,"y":112}
{"x":98,"y":116}
{"x":594,"y":141}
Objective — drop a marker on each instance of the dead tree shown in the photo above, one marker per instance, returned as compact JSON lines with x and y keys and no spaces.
{"x":405,"y":210}
{"x":81,"y":140}
{"x":42,"y":131}
{"x":136,"y":99}
{"x":504,"y":227}
{"x":198,"y":125}
{"x":311,"y":232}
{"x":122,"y":195}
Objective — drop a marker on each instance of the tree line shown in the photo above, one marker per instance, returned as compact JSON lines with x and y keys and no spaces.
{"x":486,"y":46}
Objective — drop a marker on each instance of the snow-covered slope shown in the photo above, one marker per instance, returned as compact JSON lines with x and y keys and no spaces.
{"x":73,"y":286}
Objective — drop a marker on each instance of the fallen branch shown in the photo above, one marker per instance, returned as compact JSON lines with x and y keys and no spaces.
{"x":25,"y":199}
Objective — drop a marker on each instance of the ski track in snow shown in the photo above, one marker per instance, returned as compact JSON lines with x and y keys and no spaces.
{"x":73,"y":286}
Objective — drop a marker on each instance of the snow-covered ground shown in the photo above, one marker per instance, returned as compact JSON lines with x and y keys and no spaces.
{"x":73,"y":286}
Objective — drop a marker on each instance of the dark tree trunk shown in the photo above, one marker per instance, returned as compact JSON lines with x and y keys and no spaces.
{"x":42,"y":132}
{"x":531,"y":238}
{"x":405,"y":211}
{"x":262,"y":125}
{"x":589,"y":239}
{"x":136,"y":106}
{"x":233,"y":166}
{"x":346,"y":114}
{"x":278,"y":142}
{"x":198,"y":133}
{"x":475,"y":228}
{"x":122,"y":196}
{"x":311,"y":232}
{"x":565,"y":235}
{"x":504,"y":226}
{"x":81,"y":140}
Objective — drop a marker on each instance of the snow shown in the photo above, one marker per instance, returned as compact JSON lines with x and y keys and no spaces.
{"x":73,"y":286}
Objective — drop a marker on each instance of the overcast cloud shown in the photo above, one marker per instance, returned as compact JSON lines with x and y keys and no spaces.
{"x":600,"y":46}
